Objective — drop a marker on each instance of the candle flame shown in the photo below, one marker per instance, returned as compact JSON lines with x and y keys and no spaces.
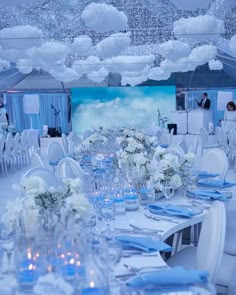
{"x":37,"y":255}
{"x":31,"y":267}
{"x":62,"y":256}
{"x":78,"y":263}
{"x":72,"y":261}
{"x":49,"y":268}
{"x":29,"y":255}
{"x":91,"y":284}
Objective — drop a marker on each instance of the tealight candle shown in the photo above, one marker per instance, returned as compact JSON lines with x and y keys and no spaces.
{"x":27,"y":275}
{"x":70,"y":268}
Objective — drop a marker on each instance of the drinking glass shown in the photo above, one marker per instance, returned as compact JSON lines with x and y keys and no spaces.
{"x":107,"y":211}
{"x":168,"y":191}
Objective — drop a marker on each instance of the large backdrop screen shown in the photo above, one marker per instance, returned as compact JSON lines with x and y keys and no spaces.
{"x":120,"y":106}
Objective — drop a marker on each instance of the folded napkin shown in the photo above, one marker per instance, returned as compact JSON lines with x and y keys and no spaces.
{"x":208,"y":195}
{"x":145,"y":244}
{"x":164,"y":146}
{"x":220,"y":183}
{"x":173,"y":276}
{"x":205,"y":174}
{"x":172,"y":210}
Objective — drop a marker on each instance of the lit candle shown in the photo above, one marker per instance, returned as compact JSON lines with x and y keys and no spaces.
{"x":70,"y":268}
{"x":92,"y":290}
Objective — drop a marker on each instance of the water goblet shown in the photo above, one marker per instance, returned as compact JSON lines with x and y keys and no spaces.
{"x":107,"y":211}
{"x":168,"y":191}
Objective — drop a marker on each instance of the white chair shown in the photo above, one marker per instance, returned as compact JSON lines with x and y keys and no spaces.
{"x":205,"y":140}
{"x":69,"y":168}
{"x":24,"y":147}
{"x":55,"y":154}
{"x":232,"y":147}
{"x":194,"y":146}
{"x":215,"y":161}
{"x":208,"y":254}
{"x":47,"y":175}
{"x":9,"y":155}
{"x":86,"y":134}
{"x":36,"y":161}
{"x":175,"y":149}
{"x":64,"y":143}
{"x":182,"y":143}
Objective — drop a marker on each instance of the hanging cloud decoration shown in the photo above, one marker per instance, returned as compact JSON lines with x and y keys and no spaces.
{"x":215,"y":65}
{"x":198,"y":56}
{"x":232,"y":44}
{"x":158,"y":74}
{"x":103,"y":17}
{"x":200,"y":28}
{"x":81,"y":44}
{"x":86,"y":66}
{"x":20,"y":37}
{"x":174,"y":49}
{"x":24,"y":65}
{"x":98,"y":76}
{"x":64,"y":74}
{"x":4,"y":64}
{"x":127,"y":63}
{"x":113,"y":45}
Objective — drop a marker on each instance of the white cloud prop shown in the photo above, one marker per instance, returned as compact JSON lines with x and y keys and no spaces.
{"x":113,"y":45}
{"x":127,"y":63}
{"x":198,"y":56}
{"x":86,"y":66}
{"x":158,"y":74}
{"x":81,"y":44}
{"x":4,"y":64}
{"x":174,"y":49}
{"x":24,"y":66}
{"x":232,"y":44}
{"x":98,"y":76}
{"x":20,"y":37}
{"x":103,"y":17}
{"x":65,"y":74}
{"x":199,"y":28}
{"x":215,"y":65}
{"x":191,"y":4}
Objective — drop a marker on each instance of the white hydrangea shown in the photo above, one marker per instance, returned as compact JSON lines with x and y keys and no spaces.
{"x":176,"y":181}
{"x":78,"y":203}
{"x":12,"y":214}
{"x":190,"y":158}
{"x":34,"y":185}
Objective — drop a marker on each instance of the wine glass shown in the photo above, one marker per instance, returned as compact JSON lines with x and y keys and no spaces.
{"x":107,"y":212}
{"x":168,"y":191}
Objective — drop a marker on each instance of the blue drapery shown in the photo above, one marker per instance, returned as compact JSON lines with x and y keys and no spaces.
{"x":212,"y":94}
{"x":46,"y":116}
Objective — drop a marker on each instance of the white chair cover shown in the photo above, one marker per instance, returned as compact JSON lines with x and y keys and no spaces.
{"x":45,"y":174}
{"x":209,"y":252}
{"x":215,"y":161}
{"x":69,"y":168}
{"x":55,"y":153}
{"x":64,"y":142}
{"x":36,"y":160}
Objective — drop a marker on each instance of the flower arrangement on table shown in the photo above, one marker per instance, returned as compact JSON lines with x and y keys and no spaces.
{"x":93,"y":140}
{"x":45,"y":207}
{"x":168,"y":167}
{"x":135,"y":150}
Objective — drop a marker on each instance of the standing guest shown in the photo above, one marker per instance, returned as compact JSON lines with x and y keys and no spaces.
{"x":230,"y":117}
{"x":205,"y":102}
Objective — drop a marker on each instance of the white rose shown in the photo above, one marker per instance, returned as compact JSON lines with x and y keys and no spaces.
{"x":34,"y":186}
{"x":190,"y":158}
{"x":176,"y":181}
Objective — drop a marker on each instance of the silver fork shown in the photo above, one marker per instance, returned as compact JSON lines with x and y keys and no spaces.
{"x":160,"y":218}
{"x":138,"y":269}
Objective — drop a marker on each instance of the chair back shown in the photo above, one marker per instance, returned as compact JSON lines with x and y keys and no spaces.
{"x":9,"y":144}
{"x":55,"y":152}
{"x":2,"y":144}
{"x":194,"y":146}
{"x":215,"y":160}
{"x":175,"y":149}
{"x":46,"y":175}
{"x":36,"y":160}
{"x":211,"y":241}
{"x":64,"y":142}
{"x":204,"y":136}
{"x":87,"y":133}
{"x":69,"y":168}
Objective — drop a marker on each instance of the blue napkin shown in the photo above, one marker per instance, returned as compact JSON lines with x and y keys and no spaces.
{"x":208,"y":195}
{"x":205,"y":174}
{"x":146,"y":244}
{"x":164,"y":146}
{"x":54,"y":163}
{"x":173,"y":276}
{"x":172,"y":210}
{"x":220,"y":183}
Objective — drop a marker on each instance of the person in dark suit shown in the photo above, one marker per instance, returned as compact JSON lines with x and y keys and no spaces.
{"x":205,"y":102}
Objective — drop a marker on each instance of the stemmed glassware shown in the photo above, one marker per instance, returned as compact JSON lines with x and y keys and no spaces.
{"x":168,"y":190}
{"x":107,"y":212}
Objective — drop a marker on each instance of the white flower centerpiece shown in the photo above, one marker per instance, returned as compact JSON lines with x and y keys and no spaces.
{"x":45,"y":208}
{"x":166,"y":167}
{"x":135,"y":151}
